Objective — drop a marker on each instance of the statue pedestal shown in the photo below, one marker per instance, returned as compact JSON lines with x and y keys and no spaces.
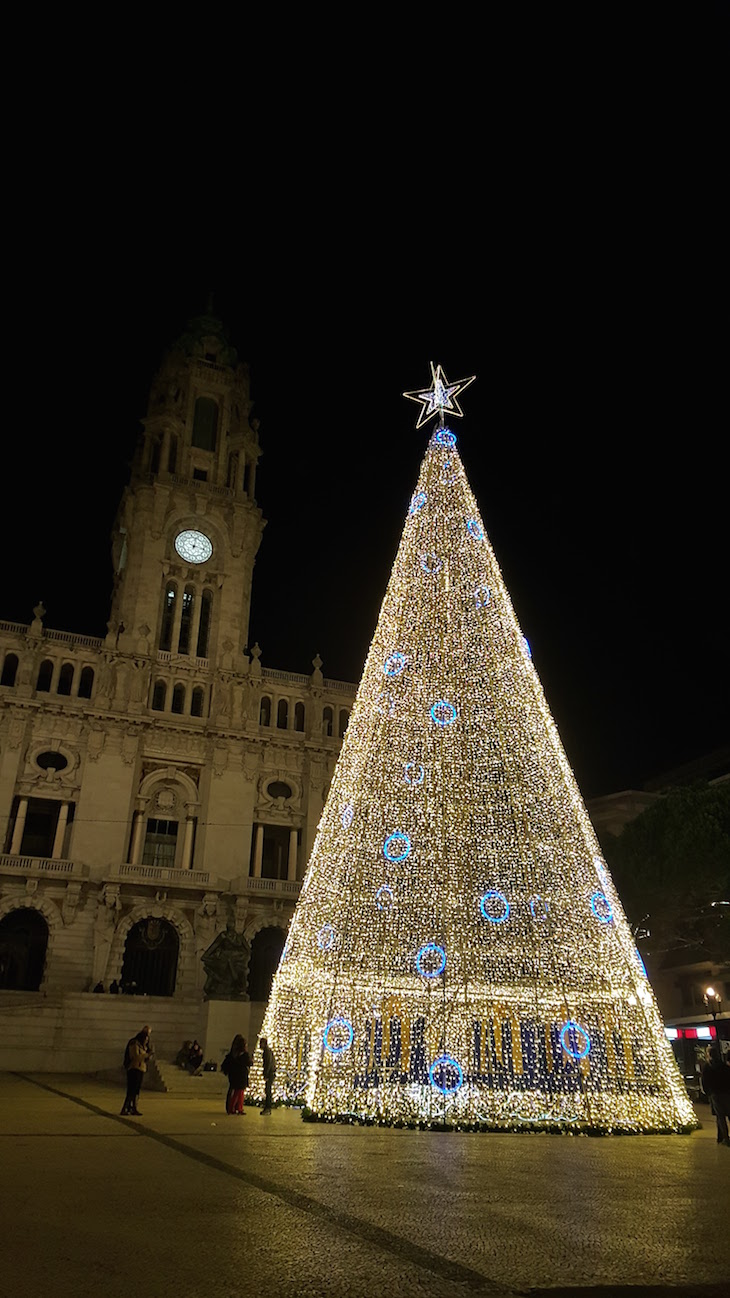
{"x":221,"y":1021}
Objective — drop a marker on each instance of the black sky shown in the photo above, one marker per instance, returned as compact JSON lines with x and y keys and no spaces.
{"x":595,"y":454}
{"x":545,"y":210}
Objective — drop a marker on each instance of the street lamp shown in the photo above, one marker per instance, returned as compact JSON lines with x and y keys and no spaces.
{"x":713,"y":1001}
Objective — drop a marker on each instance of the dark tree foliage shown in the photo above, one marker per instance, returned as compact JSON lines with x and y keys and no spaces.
{"x":671,"y":867}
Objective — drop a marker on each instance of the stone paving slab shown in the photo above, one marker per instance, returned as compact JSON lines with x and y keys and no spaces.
{"x":193,"y":1202}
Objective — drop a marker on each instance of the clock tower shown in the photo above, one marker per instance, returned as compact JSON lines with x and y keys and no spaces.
{"x":188,"y":527}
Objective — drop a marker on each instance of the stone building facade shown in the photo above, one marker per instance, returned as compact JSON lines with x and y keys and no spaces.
{"x":160,"y":788}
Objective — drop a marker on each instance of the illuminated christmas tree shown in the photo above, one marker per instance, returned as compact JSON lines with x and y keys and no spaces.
{"x":459,"y":954}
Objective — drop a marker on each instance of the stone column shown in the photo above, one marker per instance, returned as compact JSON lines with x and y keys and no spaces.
{"x":195,"y":627}
{"x":187,"y":856}
{"x":53,"y":688}
{"x":177,"y":617}
{"x":292,"y":862}
{"x":135,"y":853}
{"x":19,"y":827}
{"x":57,"y":852}
{"x":258,"y":851}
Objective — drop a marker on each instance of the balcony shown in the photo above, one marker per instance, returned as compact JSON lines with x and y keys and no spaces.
{"x":266,"y":887}
{"x":154,"y":874}
{"x":41,"y":866}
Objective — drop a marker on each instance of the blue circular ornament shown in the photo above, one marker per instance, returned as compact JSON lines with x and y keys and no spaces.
{"x":601,"y":907}
{"x":417,"y":502}
{"x":435,"y":958}
{"x":641,"y":964}
{"x":446,"y":1074}
{"x":445,"y":437}
{"x":526,"y":646}
{"x":396,"y":846}
{"x":539,"y":909}
{"x":393,"y":666}
{"x":384,"y":899}
{"x":475,"y":528}
{"x":575,"y":1040}
{"x":342,"y":1030}
{"x":482,"y":595}
{"x":431,"y":563}
{"x":326,"y":937}
{"x":347,"y":814}
{"x":492,"y":902}
{"x":414,"y":773}
{"x":443,"y":713}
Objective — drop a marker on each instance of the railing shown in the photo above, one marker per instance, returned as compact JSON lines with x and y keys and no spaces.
{"x":69,"y":638}
{"x":162,"y":874}
{"x":182,"y":660}
{"x":296,"y":678}
{"x":41,"y":865}
{"x":289,"y":887}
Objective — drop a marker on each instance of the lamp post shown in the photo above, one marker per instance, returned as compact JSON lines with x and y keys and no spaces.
{"x":713,"y":1001}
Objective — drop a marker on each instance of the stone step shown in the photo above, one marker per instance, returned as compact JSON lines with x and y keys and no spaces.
{"x":176,"y":1081}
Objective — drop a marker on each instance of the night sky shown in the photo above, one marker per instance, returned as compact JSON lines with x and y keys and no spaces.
{"x":592,"y":444}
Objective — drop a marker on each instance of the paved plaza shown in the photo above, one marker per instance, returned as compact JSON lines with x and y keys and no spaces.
{"x":186,"y":1201}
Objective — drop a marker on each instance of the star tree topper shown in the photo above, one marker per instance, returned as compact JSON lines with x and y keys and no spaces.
{"x":440,"y":396}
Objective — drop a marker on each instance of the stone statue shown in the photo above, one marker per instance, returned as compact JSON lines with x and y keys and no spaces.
{"x":108,"y":912}
{"x":226,"y":966}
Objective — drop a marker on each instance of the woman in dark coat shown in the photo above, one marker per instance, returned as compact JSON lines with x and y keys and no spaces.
{"x":236,"y":1066}
{"x":716,"y":1085}
{"x":136,"y":1058}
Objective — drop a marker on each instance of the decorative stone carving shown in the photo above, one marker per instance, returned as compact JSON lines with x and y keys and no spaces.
{"x":240,"y":912}
{"x":255,"y":669}
{"x":226,"y":966}
{"x":16,"y":730}
{"x":31,"y":887}
{"x":317,"y":677}
{"x":140,"y":680}
{"x":220,"y":760}
{"x":108,"y":912}
{"x":130,"y":744}
{"x":95,"y":746}
{"x":71,"y":899}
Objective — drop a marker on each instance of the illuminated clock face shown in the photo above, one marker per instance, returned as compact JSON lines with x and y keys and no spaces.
{"x":193,"y":547}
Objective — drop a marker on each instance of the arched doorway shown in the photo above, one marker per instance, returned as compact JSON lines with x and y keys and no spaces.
{"x":23,"y":944}
{"x":266,"y":950}
{"x":150,"y":957}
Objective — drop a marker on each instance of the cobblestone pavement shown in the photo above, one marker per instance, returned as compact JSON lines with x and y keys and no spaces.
{"x":186,"y":1201}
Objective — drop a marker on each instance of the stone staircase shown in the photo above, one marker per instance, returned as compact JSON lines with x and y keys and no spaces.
{"x":162,"y":1075}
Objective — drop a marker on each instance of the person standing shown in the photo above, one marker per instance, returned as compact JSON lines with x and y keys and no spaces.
{"x":236,"y":1066}
{"x":269,"y":1067}
{"x":716,"y":1085}
{"x":136,"y":1057}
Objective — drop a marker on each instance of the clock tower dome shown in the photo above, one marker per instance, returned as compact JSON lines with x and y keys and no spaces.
{"x":188,"y":527}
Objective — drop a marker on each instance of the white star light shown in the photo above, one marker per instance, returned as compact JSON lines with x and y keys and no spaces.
{"x":440,"y":396}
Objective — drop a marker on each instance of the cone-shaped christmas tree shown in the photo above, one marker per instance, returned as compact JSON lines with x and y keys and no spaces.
{"x":458,"y":953}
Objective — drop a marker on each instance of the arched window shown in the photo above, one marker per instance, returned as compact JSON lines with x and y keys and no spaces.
{"x":265,"y":711}
{"x":150,"y":957}
{"x":196,"y":703}
{"x":23,"y":945}
{"x":299,"y":716}
{"x":205,"y":424}
{"x":86,"y":682}
{"x":282,"y":714}
{"x":172,"y":456}
{"x":266,"y":950}
{"x":45,"y":672}
{"x":65,"y":679}
{"x":10,"y":667}
{"x":159,"y":696}
{"x":186,"y":618}
{"x":344,"y":718}
{"x":178,"y":699}
{"x":328,"y":722}
{"x":168,"y":615}
{"x":206,"y":606}
{"x":155,"y":458}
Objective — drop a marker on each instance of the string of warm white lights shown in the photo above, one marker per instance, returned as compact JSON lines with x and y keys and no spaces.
{"x":459,"y":954}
